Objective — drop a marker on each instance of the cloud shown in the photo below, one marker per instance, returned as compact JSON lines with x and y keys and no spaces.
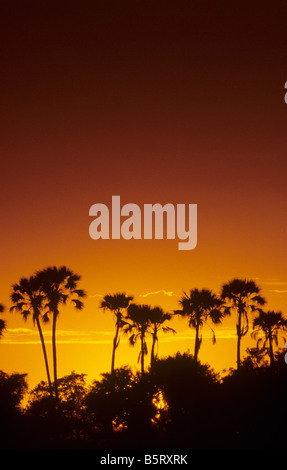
{"x":28,"y":336}
{"x":164,"y":292}
{"x":189,"y":335}
{"x":25,"y":336}
{"x":274,"y":282}
{"x":278,"y":291}
{"x":20,"y":330}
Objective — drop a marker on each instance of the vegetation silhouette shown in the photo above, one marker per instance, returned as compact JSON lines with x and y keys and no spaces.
{"x":271,"y":324}
{"x":107,"y":399}
{"x":59,"y":285}
{"x":176,"y":402}
{"x":200,"y":306}
{"x":2,"y":322}
{"x":117,"y":304}
{"x":243,"y":296}
{"x":158,"y":319}
{"x":189,"y":389}
{"x":179,"y":403}
{"x":143,"y":320}
{"x":12,"y":390}
{"x":138,"y":321}
{"x":28,"y":298}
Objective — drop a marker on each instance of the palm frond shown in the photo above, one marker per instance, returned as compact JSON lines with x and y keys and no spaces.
{"x":227,"y":310}
{"x":45,"y":317}
{"x":215,"y":315}
{"x":25,"y":314}
{"x":259,"y":299}
{"x":16,"y":296}
{"x":133,"y":339}
{"x":79,"y":292}
{"x":167,"y":329}
{"x":78,"y":304}
{"x":2,"y":326}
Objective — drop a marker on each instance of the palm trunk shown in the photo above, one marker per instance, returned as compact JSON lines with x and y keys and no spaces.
{"x":196,"y":346}
{"x":55,"y":314}
{"x":271,"y":355}
{"x":115,"y":345}
{"x":45,"y":355}
{"x":238,"y":328}
{"x":142,"y":354}
{"x":152,"y":355}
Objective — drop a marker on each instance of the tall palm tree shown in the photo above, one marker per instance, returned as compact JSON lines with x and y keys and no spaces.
{"x":199,"y":307}
{"x":2,"y":322}
{"x":157,"y":320}
{"x":117,"y":304}
{"x":28,"y":299}
{"x":271,"y":324}
{"x":59,"y":285}
{"x":244,"y":297}
{"x":138,"y":318}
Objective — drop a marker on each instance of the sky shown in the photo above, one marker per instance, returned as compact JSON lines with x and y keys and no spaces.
{"x":158,"y":102}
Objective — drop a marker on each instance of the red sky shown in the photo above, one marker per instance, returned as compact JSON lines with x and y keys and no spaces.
{"x":178,"y":102}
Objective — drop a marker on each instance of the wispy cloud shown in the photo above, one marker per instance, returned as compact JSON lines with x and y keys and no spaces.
{"x":29,"y":336}
{"x":274,"y":282}
{"x":169,"y":293}
{"x":278,"y":291}
{"x":189,"y":334}
{"x":26,"y":336}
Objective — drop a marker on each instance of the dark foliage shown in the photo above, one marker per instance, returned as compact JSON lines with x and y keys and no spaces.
{"x":179,"y":404}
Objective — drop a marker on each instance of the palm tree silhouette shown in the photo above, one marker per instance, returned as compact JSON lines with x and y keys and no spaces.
{"x":59,"y":286}
{"x":2,"y":322}
{"x":243,"y":296}
{"x":271,"y":324}
{"x":157,"y":319}
{"x":138,"y":318}
{"x":200,"y":306}
{"x":28,"y":299}
{"x":117,"y":304}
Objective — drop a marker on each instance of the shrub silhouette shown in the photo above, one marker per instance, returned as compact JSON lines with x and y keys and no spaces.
{"x":190,"y":389}
{"x":12,"y":390}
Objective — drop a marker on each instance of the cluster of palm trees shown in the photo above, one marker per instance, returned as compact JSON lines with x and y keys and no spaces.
{"x":242,"y":297}
{"x":42,"y":295}
{"x":138,"y":321}
{"x":200,"y":307}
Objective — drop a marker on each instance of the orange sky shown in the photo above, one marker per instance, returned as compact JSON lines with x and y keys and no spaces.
{"x":175,"y":104}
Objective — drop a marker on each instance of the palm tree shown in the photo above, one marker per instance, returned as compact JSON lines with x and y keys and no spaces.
{"x":271,"y":324}
{"x":139,"y":318}
{"x":2,"y":322}
{"x":59,"y":286}
{"x":27,"y":298}
{"x":117,"y":304}
{"x":157,"y":319}
{"x":200,"y":306}
{"x":243,"y":297}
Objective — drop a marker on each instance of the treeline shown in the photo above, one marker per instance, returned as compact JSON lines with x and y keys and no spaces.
{"x":179,"y":403}
{"x":172,"y":402}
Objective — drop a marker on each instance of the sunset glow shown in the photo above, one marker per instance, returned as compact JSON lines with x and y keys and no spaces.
{"x":178,"y":105}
